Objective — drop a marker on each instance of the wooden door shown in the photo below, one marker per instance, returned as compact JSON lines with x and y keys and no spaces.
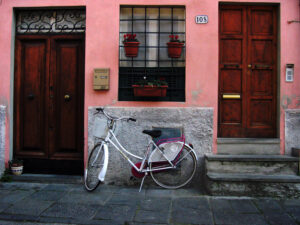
{"x":247,"y":71}
{"x":49,"y":82}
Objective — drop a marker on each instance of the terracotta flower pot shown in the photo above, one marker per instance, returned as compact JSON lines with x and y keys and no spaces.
{"x":131,"y":49}
{"x":174,"y":49}
{"x":150,"y":91}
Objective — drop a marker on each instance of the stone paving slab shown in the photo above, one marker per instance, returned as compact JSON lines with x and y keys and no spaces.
{"x":243,"y":206}
{"x":70,"y":210}
{"x":4,"y":206}
{"x":192,"y":216}
{"x":156,"y":204}
{"x":29,"y":207}
{"x":235,"y":218}
{"x":22,"y":203}
{"x":268,"y":205}
{"x":279,"y":218}
{"x":200,"y":203}
{"x":119,"y":213}
{"x":47,"y":195}
{"x":15,"y":195}
{"x":85,"y":198}
{"x":154,"y":217}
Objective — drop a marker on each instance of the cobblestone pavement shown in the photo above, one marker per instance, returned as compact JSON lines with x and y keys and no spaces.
{"x":37,"y":203}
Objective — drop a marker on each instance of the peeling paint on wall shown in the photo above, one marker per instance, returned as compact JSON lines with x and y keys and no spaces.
{"x":290,"y":101}
{"x":196,"y":93}
{"x":2,"y":138}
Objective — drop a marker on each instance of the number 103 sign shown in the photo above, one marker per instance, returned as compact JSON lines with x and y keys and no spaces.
{"x":201,"y":19}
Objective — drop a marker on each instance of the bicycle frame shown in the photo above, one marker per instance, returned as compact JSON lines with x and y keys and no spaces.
{"x":112,"y":139}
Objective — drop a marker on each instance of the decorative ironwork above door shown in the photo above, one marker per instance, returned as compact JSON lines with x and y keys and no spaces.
{"x":51,"y":21}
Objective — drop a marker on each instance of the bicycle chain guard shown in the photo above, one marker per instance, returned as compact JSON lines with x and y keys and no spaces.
{"x":135,"y":172}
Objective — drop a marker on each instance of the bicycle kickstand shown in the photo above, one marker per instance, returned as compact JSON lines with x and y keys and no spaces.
{"x":143,"y":181}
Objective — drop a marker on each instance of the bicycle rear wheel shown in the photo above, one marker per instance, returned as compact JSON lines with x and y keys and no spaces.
{"x":94,"y":166}
{"x":179,"y":176}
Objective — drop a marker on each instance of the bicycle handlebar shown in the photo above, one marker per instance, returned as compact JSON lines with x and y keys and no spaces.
{"x":113,"y":117}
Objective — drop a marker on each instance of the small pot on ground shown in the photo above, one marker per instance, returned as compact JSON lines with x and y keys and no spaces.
{"x":16,"y":166}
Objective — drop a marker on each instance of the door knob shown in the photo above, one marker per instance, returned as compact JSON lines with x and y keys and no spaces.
{"x":67,"y":97}
{"x":249,"y":66}
{"x":30,"y":96}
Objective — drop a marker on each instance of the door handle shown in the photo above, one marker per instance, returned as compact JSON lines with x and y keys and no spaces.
{"x":67,"y":98}
{"x":30,"y":96}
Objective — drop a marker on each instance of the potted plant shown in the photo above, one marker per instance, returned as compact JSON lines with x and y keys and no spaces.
{"x":174,"y":46}
{"x":151,"y":88}
{"x":131,"y":45}
{"x":16,"y":166}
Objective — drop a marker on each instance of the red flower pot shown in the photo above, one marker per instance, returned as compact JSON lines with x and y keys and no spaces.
{"x":174,"y":49}
{"x":149,"y":91}
{"x":131,"y":49}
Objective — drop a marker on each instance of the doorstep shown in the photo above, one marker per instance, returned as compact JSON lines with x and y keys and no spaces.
{"x":248,"y":146}
{"x":48,"y":178}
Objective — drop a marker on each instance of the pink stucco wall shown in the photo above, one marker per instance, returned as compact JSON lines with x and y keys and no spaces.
{"x":102,"y":35}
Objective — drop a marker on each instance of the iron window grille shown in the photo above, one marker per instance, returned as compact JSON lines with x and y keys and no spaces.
{"x":152,"y":26}
{"x":50,"y":21}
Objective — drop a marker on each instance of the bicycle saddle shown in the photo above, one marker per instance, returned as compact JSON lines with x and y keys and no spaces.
{"x":153,"y":133}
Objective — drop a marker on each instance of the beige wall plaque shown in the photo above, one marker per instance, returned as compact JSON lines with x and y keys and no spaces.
{"x":101,"y":78}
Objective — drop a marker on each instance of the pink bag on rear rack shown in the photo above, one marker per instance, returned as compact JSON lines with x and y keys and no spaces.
{"x":171,"y":147}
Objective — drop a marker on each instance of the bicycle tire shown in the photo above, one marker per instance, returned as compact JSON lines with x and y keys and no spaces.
{"x":93,"y":168}
{"x":178,"y":177}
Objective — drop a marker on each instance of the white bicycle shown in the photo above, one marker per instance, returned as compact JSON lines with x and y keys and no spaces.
{"x":171,"y":162}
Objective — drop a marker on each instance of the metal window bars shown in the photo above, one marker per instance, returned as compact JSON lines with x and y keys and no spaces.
{"x":45,"y":21}
{"x":152,"y":25}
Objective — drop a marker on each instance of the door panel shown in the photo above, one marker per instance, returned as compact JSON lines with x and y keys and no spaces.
{"x":231,"y":51}
{"x":248,"y":62}
{"x":30,"y":80}
{"x":67,"y":70}
{"x":49,"y":81}
{"x":232,"y":21}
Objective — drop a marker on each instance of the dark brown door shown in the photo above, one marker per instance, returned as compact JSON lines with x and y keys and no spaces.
{"x":247,"y":71}
{"x":49,"y":82}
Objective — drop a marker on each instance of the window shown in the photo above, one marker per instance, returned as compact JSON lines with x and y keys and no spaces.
{"x":152,"y":26}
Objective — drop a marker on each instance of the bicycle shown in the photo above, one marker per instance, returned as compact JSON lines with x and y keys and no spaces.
{"x":171,"y":162}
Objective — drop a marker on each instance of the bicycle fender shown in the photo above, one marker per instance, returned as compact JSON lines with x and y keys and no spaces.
{"x":189,"y":147}
{"x":102,"y":173}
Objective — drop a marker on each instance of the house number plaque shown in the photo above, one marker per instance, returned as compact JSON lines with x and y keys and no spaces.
{"x":202,"y":19}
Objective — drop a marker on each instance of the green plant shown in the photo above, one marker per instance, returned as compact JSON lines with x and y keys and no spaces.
{"x":16,"y":162}
{"x":6,"y":177}
{"x":152,"y":82}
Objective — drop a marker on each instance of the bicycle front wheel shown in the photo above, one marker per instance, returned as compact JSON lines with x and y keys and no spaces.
{"x":176,"y":177}
{"x":94,"y":166}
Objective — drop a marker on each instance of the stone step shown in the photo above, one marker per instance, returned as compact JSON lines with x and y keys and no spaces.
{"x":254,"y":178}
{"x":252,"y":164}
{"x":48,"y":178}
{"x":248,"y":146}
{"x":253,"y":185}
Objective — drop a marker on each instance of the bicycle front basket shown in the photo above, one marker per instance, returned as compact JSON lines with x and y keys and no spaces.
{"x":100,"y":127}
